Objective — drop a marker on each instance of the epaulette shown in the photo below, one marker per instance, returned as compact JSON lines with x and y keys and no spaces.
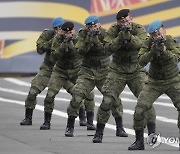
{"x":81,"y":29}
{"x":46,"y":30}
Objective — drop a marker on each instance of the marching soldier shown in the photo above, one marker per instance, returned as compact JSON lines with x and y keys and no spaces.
{"x":124,"y":40}
{"x":93,"y":71}
{"x":40,"y":81}
{"x":163,"y":53}
{"x":67,"y":66}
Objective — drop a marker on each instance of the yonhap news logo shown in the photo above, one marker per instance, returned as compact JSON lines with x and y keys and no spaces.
{"x":154,"y":140}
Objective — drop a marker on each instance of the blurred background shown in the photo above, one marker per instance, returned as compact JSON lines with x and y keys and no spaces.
{"x":21,"y":23}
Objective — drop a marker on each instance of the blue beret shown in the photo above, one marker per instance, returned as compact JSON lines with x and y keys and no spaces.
{"x":57,"y":22}
{"x":155,"y":25}
{"x":91,"y":20}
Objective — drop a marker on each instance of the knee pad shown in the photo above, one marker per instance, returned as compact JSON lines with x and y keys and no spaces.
{"x":106,"y":103}
{"x":50,"y":96}
{"x":139,"y":114}
{"x":76,"y":101}
{"x":33,"y":93}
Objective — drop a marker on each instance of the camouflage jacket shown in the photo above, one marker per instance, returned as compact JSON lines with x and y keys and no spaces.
{"x":163,"y":65}
{"x":125,"y":53}
{"x":91,"y":48}
{"x":65,"y":53}
{"x":44,"y":43}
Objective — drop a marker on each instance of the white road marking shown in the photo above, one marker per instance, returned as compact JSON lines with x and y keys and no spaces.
{"x":63,"y":114}
{"x":22,"y":83}
{"x":127,"y":111}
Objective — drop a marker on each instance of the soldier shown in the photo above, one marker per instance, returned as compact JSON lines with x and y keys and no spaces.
{"x":93,"y":71}
{"x":40,"y":81}
{"x":124,"y":40}
{"x":65,"y":69}
{"x":163,"y":53}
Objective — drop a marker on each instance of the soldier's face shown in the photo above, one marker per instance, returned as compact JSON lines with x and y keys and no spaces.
{"x":125,"y":21}
{"x":159,"y":34}
{"x":93,"y":27}
{"x":69,"y":33}
{"x":57,"y":30}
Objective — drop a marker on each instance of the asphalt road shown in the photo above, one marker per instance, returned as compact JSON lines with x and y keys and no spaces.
{"x":16,"y":139}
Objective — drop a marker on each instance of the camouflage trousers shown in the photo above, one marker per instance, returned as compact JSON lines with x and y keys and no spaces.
{"x":85,"y":83}
{"x":112,"y":89}
{"x":60,"y":78}
{"x":38,"y":84}
{"x":151,"y":91}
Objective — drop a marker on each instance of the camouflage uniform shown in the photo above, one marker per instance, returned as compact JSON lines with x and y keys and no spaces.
{"x":163,"y":78}
{"x":124,"y":69}
{"x":66,"y":69}
{"x":93,"y":70}
{"x":40,"y":81}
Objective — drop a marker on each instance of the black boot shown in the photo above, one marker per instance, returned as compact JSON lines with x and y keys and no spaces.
{"x":119,"y":128}
{"x":70,"y":126}
{"x":28,"y":117}
{"x":179,"y":139}
{"x":139,"y":143}
{"x":99,"y":133}
{"x":47,"y":119}
{"x":90,"y":117}
{"x":82,"y":117}
{"x":151,"y":128}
